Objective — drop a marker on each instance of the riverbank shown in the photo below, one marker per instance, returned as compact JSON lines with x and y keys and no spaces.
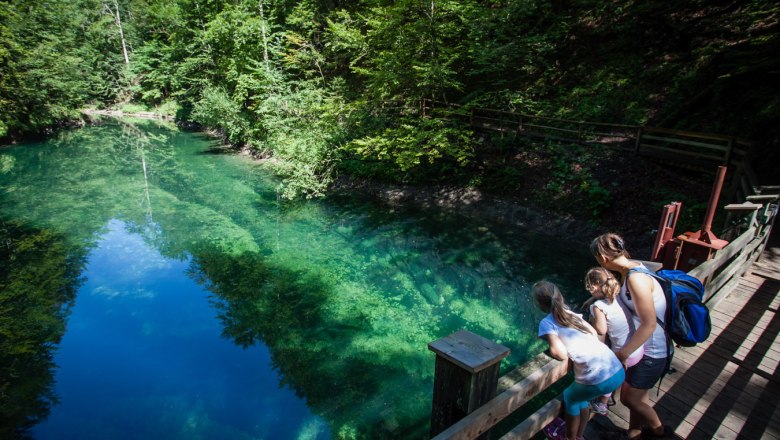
{"x":123,"y":114}
{"x":636,"y":191}
{"x":474,"y":203}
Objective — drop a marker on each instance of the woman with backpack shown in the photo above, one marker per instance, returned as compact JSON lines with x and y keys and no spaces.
{"x":644,"y":298}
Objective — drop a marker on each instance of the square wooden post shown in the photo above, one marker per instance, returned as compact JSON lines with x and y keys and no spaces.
{"x":466,"y":377}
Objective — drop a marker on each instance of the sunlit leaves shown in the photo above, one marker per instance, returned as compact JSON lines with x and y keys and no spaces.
{"x":413,"y":144}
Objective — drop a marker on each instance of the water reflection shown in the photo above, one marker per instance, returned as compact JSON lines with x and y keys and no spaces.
{"x":39,"y":278}
{"x":327,"y":306}
{"x":144,"y":358}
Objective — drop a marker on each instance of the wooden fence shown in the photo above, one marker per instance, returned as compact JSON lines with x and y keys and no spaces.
{"x":683,"y":148}
{"x":719,"y":274}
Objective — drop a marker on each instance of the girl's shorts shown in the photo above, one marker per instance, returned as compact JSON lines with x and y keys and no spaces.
{"x":646,"y":373}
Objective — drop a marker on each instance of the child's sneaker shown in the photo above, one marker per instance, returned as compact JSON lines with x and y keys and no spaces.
{"x":599,"y":407}
{"x":556,"y":430}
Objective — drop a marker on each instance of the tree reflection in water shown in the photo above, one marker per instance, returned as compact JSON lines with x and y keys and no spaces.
{"x":39,"y":279}
{"x":314,"y":347}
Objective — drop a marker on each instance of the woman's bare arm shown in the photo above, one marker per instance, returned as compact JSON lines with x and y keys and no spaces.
{"x":641,"y":288}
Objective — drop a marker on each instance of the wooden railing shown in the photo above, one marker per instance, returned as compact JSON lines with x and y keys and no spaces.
{"x":567,"y":130}
{"x":719,"y":275}
{"x":690,"y":148}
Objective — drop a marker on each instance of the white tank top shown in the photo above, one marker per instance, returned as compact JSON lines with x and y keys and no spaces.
{"x":619,"y":328}
{"x":655,"y":347}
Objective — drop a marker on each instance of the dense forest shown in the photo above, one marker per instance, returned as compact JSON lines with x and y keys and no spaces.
{"x":330,"y":87}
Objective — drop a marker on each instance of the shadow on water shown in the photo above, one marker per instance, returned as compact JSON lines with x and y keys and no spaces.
{"x":316,"y":349}
{"x":40,"y":275}
{"x":217,"y":150}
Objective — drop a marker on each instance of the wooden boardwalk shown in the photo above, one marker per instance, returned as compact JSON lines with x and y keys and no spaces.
{"x":729,"y":386}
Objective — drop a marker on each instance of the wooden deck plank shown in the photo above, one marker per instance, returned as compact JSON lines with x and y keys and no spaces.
{"x":708,"y":371}
{"x":716,"y":397}
{"x":755,"y":338}
{"x":694,"y":399}
{"x":726,"y":382}
{"x":745,"y":318}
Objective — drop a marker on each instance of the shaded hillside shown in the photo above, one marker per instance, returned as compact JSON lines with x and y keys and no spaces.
{"x":709,"y":66}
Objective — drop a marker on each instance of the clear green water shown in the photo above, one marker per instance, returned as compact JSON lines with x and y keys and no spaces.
{"x":154,"y":286}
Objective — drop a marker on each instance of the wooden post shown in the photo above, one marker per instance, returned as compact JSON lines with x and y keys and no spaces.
{"x":466,"y":377}
{"x":579,"y":132}
{"x":638,"y":139}
{"x":729,"y":150}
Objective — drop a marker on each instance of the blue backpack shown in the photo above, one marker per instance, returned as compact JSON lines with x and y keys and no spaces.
{"x":687,"y":319}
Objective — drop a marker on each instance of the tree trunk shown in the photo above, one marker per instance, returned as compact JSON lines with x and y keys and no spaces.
{"x":118,"y":21}
{"x":265,"y":40}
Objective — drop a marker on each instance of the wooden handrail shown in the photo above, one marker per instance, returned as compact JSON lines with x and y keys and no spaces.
{"x":693,"y":134}
{"x":489,"y":414}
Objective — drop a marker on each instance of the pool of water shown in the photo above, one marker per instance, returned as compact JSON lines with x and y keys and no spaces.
{"x":154,"y":285}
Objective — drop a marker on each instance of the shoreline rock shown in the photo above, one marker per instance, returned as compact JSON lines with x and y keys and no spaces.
{"x":121,"y":114}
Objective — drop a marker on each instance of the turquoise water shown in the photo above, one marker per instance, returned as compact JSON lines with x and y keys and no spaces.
{"x":155,"y":286}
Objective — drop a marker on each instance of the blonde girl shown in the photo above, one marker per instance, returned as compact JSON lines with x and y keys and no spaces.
{"x":644,"y":298}
{"x":610,"y":318}
{"x":596,"y":369}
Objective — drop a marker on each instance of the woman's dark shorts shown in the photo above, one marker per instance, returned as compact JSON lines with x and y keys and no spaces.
{"x":646,"y":373}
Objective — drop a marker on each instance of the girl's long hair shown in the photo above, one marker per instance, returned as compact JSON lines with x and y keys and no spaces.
{"x":550,"y":300}
{"x":598,"y":276}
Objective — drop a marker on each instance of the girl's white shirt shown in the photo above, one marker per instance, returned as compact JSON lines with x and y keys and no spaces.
{"x":620,"y":324}
{"x":593,"y":361}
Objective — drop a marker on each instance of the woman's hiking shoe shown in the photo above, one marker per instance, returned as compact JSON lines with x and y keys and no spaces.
{"x":648,"y":433}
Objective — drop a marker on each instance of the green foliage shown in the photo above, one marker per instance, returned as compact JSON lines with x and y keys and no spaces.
{"x":216,"y":109}
{"x":415,"y":144}
{"x":416,"y":48}
{"x":43,"y":80}
{"x":691,"y":212}
{"x":571,"y":180}
{"x":298,"y":123}
{"x":598,"y":199}
{"x":265,"y":72}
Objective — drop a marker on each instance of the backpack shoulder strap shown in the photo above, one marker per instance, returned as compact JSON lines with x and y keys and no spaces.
{"x":646,"y":271}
